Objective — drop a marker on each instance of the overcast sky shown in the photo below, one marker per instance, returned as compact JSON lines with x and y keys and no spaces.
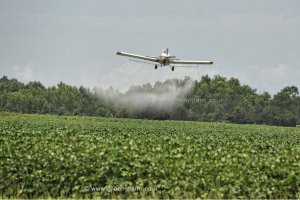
{"x":75,"y":42}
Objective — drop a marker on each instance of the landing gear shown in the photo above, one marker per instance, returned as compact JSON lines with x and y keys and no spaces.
{"x":155,"y":66}
{"x":160,"y":65}
{"x":172,"y":68}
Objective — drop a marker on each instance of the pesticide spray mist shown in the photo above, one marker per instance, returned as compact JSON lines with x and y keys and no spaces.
{"x":161,"y":97}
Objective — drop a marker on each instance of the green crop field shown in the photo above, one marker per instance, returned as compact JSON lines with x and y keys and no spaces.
{"x":87,"y":157}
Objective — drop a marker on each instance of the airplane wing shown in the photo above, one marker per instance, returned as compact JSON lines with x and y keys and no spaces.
{"x":148,"y":58}
{"x":190,"y":62}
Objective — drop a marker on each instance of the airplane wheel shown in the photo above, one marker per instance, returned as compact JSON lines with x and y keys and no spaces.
{"x":160,"y":65}
{"x":155,"y":66}
{"x":173,"y":68}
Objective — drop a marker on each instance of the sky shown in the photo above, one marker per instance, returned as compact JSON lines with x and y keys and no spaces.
{"x":75,"y":41}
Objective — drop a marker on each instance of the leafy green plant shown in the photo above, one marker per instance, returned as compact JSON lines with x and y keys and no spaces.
{"x":88,"y":157}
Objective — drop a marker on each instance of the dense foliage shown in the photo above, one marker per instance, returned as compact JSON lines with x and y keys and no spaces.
{"x":61,"y":99}
{"x":217,"y":99}
{"x":54,"y":156}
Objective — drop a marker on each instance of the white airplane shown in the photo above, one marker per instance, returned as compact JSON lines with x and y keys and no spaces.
{"x":165,"y":59}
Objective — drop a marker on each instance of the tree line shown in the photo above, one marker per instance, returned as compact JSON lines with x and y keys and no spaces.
{"x":209,"y":99}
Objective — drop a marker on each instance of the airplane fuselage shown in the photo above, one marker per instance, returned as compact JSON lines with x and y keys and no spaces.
{"x":164,"y":59}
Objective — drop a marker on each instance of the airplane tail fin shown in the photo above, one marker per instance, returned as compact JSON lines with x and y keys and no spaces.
{"x":166,"y":51}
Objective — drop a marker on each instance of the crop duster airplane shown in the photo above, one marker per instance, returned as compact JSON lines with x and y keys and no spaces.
{"x":165,"y":59}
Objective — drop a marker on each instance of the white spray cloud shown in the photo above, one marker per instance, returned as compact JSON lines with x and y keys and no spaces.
{"x":160,"y":97}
